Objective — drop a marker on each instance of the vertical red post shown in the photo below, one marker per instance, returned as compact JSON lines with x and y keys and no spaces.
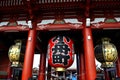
{"x":9,"y":71}
{"x":42,"y":66}
{"x":82,"y":67}
{"x":29,"y":53}
{"x":90,"y":66}
{"x":118,"y":66}
{"x":49,"y":72}
{"x":78,"y":65}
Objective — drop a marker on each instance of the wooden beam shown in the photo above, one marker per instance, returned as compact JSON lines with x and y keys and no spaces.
{"x":103,"y":25}
{"x":59,"y":26}
{"x":14,"y":28}
{"x":67,"y":26}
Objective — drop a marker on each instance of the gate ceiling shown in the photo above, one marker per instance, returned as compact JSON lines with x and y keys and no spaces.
{"x":55,"y":9}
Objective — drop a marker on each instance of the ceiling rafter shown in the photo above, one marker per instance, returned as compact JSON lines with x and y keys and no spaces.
{"x":38,"y":8}
{"x":87,"y":9}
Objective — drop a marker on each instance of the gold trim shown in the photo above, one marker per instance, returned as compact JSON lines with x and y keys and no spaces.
{"x":60,"y":69}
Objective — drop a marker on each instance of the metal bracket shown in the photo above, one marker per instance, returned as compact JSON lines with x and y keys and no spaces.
{"x":30,"y":24}
{"x":87,"y":22}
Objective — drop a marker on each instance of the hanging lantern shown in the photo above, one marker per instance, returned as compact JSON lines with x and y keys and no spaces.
{"x":15,"y":55}
{"x":60,"y":52}
{"x":106,"y":53}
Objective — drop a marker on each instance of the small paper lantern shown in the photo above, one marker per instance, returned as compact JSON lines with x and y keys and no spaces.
{"x":60,"y":52}
{"x":106,"y":53}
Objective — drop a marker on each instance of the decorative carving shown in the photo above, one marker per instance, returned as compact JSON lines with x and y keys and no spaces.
{"x":22,"y":27}
{"x":42,"y":27}
{"x":97,"y":25}
{"x":76,"y":25}
{"x":14,"y":23}
{"x":59,"y":21}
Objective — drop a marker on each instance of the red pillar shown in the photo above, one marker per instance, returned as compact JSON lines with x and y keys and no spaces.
{"x":9,"y":71}
{"x":78,"y":65}
{"x":29,"y":53}
{"x":90,"y":66}
{"x":118,"y":66}
{"x":49,"y":72}
{"x":42,"y":67}
{"x":82,"y":67}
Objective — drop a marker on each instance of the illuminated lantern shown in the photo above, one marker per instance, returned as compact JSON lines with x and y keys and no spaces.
{"x":60,"y":52}
{"x":15,"y":54}
{"x":106,"y":53}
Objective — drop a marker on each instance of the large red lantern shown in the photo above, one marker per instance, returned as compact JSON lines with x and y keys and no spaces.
{"x":60,"y":52}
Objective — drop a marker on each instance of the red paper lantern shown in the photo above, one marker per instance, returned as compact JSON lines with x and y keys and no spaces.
{"x":60,"y":52}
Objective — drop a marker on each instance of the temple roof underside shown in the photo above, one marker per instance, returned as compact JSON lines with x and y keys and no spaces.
{"x":58,"y":9}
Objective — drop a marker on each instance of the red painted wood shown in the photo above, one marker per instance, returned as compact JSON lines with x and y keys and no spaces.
{"x":9,"y":71}
{"x":14,"y":28}
{"x":18,"y":7}
{"x":3,"y":77}
{"x":4,"y":65}
{"x":118,"y":65}
{"x":49,"y":72}
{"x":29,"y":54}
{"x":82,"y":67}
{"x":42,"y":66}
{"x":103,"y":25}
{"x":68,"y":26}
{"x":90,"y":66}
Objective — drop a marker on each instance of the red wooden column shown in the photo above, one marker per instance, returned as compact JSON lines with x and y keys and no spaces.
{"x":29,"y":53}
{"x":78,"y":65}
{"x":49,"y":72}
{"x":118,"y":65}
{"x":90,"y":66}
{"x":42,"y":66}
{"x":82,"y":67}
{"x":9,"y":71}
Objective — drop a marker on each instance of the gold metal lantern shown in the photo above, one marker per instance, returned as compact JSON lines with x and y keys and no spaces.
{"x":106,"y":53}
{"x":15,"y":54}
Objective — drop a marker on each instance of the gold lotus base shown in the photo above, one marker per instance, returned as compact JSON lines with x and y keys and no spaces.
{"x":107,"y":64}
{"x":60,"y":69}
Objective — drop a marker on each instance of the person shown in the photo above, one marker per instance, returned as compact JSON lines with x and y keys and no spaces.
{"x":74,"y":77}
{"x":118,"y":78}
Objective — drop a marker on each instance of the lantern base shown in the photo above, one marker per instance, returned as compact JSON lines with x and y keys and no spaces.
{"x":107,"y":64}
{"x":16,"y":64}
{"x":60,"y":69}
